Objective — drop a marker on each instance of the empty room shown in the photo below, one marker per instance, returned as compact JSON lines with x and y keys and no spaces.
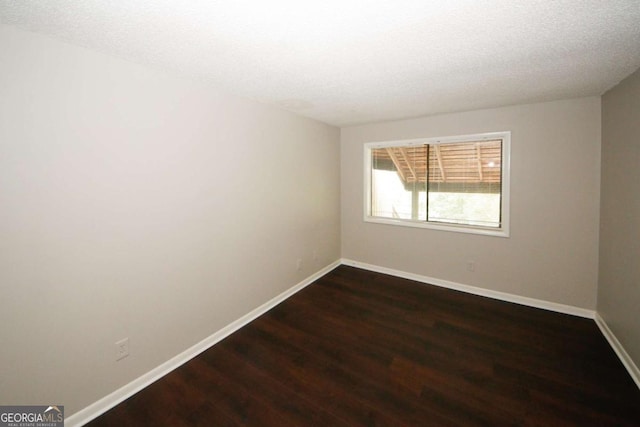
{"x":345,"y":213}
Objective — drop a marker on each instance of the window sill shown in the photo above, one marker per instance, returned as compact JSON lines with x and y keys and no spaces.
{"x":469,"y":229}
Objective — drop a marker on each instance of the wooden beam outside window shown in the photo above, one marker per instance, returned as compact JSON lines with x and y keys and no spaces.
{"x":396,"y":162}
{"x":439,"y":159}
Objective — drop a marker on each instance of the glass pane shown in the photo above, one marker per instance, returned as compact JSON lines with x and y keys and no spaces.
{"x":465,"y":208}
{"x":465,"y":183}
{"x":398,"y":177}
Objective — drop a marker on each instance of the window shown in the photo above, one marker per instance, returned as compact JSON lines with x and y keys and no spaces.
{"x":456,"y":183}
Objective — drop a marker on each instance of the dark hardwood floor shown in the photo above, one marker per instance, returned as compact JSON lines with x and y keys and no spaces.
{"x":358,"y":348}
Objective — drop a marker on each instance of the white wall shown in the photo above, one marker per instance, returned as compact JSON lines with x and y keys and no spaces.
{"x":619,"y":281}
{"x":135,"y":204}
{"x":552,"y":253}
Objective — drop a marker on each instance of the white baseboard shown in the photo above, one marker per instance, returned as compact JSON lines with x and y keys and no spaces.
{"x":624,"y":357}
{"x":503,"y":296}
{"x":96,"y":409}
{"x":99,"y":407}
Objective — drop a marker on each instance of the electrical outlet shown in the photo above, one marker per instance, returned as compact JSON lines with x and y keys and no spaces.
{"x":122,"y":349}
{"x":299,"y":265}
{"x":471,"y":266}
{"x":315,"y":256}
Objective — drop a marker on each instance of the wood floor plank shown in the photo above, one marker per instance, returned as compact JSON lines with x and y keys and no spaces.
{"x":359,"y":348}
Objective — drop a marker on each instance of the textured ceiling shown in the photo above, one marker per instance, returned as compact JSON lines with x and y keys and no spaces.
{"x":356,"y":61}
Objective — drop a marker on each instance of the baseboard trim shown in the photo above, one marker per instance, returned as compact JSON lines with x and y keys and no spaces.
{"x":622,"y":354}
{"x":502,"y":296}
{"x":101,"y":406}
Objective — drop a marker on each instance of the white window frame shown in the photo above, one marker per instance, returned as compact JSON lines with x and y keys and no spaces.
{"x":502,"y":231}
